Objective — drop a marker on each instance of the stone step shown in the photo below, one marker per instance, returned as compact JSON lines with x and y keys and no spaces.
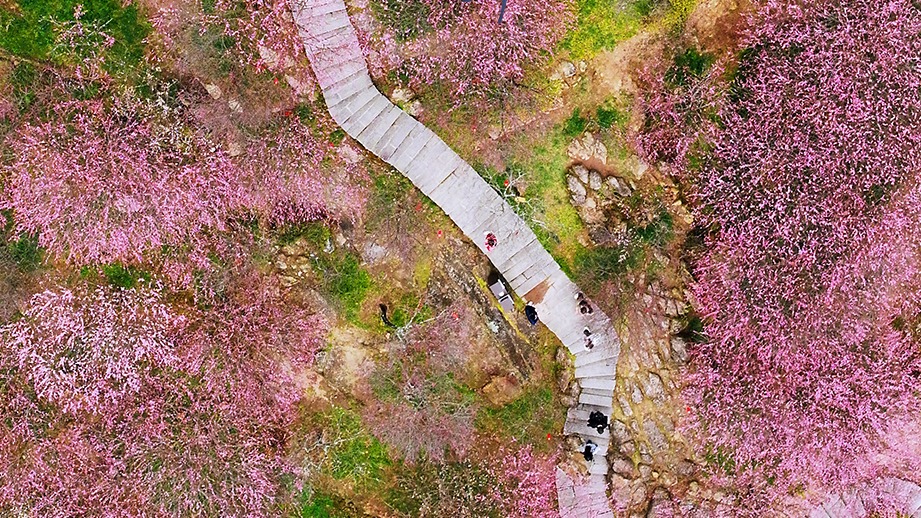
{"x":597,"y":383}
{"x":593,"y":399}
{"x":375,"y":131}
{"x":355,"y":124}
{"x":601,"y":369}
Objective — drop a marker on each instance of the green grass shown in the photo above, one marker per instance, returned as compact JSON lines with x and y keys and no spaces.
{"x":528,"y":419}
{"x":355,"y":454}
{"x":342,"y":278}
{"x":558,"y":225}
{"x":319,"y":505}
{"x":611,"y":116}
{"x":25,"y":252}
{"x":29,"y":31}
{"x":602,"y":24}
{"x":127,"y":278}
{"x":347,"y":282}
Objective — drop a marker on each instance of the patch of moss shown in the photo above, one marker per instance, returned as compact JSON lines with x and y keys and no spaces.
{"x":355,"y":454}
{"x":29,"y":29}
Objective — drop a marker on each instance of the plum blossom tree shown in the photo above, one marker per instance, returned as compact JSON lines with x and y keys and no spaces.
{"x":116,"y":405}
{"x":102,"y":182}
{"x":809,"y":285}
{"x":478,"y":59}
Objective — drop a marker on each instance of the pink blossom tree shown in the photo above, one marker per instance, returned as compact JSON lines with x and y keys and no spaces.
{"x":810,"y":278}
{"x":117,"y":406}
{"x":478,"y":59}
{"x":103,"y":183}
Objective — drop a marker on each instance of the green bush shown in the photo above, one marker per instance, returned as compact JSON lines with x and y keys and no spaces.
{"x":687,"y":65}
{"x":127,"y":278}
{"x":610,"y":117}
{"x":574,"y":125}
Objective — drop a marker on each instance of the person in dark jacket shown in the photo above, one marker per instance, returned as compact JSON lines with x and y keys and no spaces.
{"x":588,"y":451}
{"x":531,"y":314}
{"x":598,"y":421}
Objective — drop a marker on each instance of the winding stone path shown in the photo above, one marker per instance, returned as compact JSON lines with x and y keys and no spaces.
{"x":435,"y":169}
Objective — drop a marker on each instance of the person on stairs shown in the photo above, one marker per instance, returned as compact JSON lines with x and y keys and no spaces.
{"x":531,"y":314}
{"x":587,"y":336}
{"x":598,"y":421}
{"x":588,"y":451}
{"x":584,"y":307}
{"x":491,"y":241}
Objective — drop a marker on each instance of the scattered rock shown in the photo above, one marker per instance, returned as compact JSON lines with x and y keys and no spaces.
{"x":581,"y":172}
{"x":624,"y":468}
{"x":564,"y":70}
{"x":300,"y":87}
{"x":619,"y":432}
{"x":583,"y":66}
{"x":234,"y":148}
{"x":594,"y":180}
{"x":349,"y":154}
{"x":641,"y":169}
{"x":653,"y":388}
{"x":656,"y":439}
{"x":575,"y":186}
{"x":679,"y":350}
{"x":268,"y":56}
{"x":235,"y":106}
{"x":414,"y":108}
{"x":587,"y":148}
{"x":619,"y":186}
{"x":636,"y":395}
{"x":502,"y":389}
{"x":401,"y":95}
{"x":213,"y":90}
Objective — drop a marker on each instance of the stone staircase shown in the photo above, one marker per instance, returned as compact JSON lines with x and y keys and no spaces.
{"x":436,"y":170}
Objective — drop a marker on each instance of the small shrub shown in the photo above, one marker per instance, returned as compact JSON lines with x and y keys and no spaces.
{"x":688,"y":65}
{"x":609,"y":117}
{"x":574,"y":125}
{"x":528,"y":419}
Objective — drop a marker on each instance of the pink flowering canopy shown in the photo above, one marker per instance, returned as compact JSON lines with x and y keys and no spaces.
{"x":117,"y":405}
{"x":102,"y":184}
{"x":808,"y":185}
{"x":478,"y":59}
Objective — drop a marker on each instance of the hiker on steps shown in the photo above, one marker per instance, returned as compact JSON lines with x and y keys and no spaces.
{"x":587,"y":336}
{"x":584,"y":307}
{"x":598,"y":421}
{"x":491,"y":241}
{"x":588,"y":451}
{"x":531,"y":314}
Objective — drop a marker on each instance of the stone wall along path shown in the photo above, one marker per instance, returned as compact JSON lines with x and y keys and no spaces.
{"x":435,"y":169}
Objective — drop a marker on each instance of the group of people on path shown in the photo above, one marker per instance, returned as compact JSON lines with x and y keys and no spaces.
{"x":596,"y":419}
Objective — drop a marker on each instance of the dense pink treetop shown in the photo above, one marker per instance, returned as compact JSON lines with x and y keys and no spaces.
{"x":101,"y":186}
{"x":807,"y":184}
{"x":478,"y":59}
{"x":103,"y":183}
{"x":117,"y":406}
